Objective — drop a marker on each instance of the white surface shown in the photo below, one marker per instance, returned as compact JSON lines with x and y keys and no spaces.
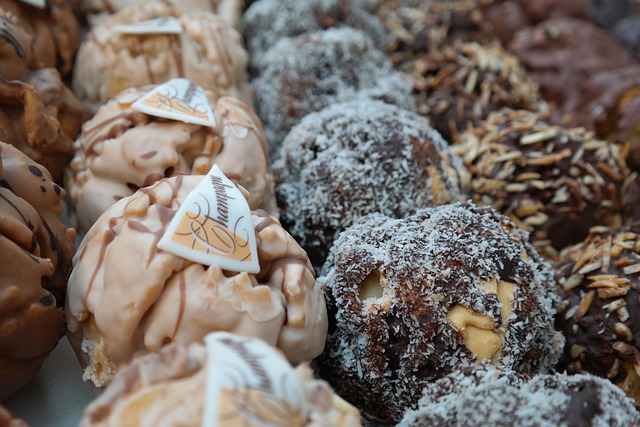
{"x":57,"y":396}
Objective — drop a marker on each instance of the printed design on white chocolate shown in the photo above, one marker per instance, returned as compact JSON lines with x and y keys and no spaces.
{"x":42,"y":4}
{"x":178,"y":99}
{"x":214,"y":227}
{"x":164,"y":25}
{"x":250,"y":384}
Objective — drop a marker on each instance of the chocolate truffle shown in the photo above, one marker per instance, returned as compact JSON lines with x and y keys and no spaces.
{"x":559,"y":58}
{"x":267,"y":22}
{"x":40,"y":117}
{"x":487,"y":397}
{"x":414,"y":299}
{"x":308,"y":73}
{"x":169,"y":387}
{"x":35,"y":254}
{"x":458,"y":86}
{"x":127,"y":296}
{"x":600,"y":310}
{"x":121,"y":150}
{"x":32,"y":38}
{"x":208,"y":51}
{"x":353,"y":159}
{"x":554,"y":182}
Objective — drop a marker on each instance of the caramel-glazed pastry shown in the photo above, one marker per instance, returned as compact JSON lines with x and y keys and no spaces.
{"x":169,"y":388}
{"x":121,"y":150}
{"x":126,"y":295}
{"x":35,"y":254}
{"x":553,"y":181}
{"x":32,"y":38}
{"x":415,"y":299}
{"x":208,"y":51}
{"x":599,"y":284}
{"x":40,"y":116}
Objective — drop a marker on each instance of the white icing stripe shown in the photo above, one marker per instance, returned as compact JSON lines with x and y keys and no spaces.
{"x":165,"y":25}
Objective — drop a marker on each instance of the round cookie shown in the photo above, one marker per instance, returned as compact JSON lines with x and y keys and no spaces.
{"x":552,"y":181}
{"x":600,"y":309}
{"x":487,"y":397}
{"x":208,"y":51}
{"x":121,"y":150}
{"x":310,"y":72}
{"x":36,"y":250}
{"x":412,"y":300}
{"x":127,"y":296}
{"x":461,"y":84}
{"x":357,"y":158}
{"x":169,"y":387}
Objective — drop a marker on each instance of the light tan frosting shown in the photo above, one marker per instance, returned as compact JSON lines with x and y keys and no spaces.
{"x":208,"y":51}
{"x":168,"y":389}
{"x":121,"y":150}
{"x":126,"y":295}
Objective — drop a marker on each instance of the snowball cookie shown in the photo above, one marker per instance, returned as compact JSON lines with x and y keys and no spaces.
{"x":487,"y":397}
{"x":353,"y":159}
{"x":267,"y":22}
{"x":553,"y":181}
{"x":35,"y":261}
{"x":600,"y":306}
{"x":461,"y":84}
{"x":169,"y":388}
{"x":209,"y":52}
{"x":40,"y":116}
{"x":34,"y":38}
{"x":121,"y":150}
{"x":308,"y":73}
{"x":414,"y":299}
{"x":128,"y":296}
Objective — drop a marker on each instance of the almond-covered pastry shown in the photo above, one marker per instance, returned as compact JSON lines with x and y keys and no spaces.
{"x":121,"y":150}
{"x":174,"y":387}
{"x":35,"y":261}
{"x":40,"y":116}
{"x":207,"y":50}
{"x":32,"y":38}
{"x":126,"y":295}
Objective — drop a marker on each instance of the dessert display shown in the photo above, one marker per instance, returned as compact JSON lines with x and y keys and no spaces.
{"x":267,"y":22}
{"x":40,"y":116}
{"x":459,"y":85}
{"x":488,"y":397}
{"x":114,"y":157}
{"x":598,"y":314}
{"x":126,"y":295}
{"x":35,"y":249}
{"x":129,"y":49}
{"x":303,"y":75}
{"x":357,"y":158}
{"x":33,"y":37}
{"x":173,"y":387}
{"x":414,"y":299}
{"x":553,"y":181}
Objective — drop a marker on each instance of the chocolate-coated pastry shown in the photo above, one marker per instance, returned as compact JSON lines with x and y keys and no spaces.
{"x":208,"y":51}
{"x":485,"y":396}
{"x":169,"y":388}
{"x":35,"y":254}
{"x":560,"y":60}
{"x":7,"y":420}
{"x":121,"y":150}
{"x":458,"y":86}
{"x":128,"y":296}
{"x":553,"y":181}
{"x":267,"y":22}
{"x":305,"y":74}
{"x":32,"y":38}
{"x":412,"y":300}
{"x":353,"y":159}
{"x":600,"y":311}
{"x":41,"y":117}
